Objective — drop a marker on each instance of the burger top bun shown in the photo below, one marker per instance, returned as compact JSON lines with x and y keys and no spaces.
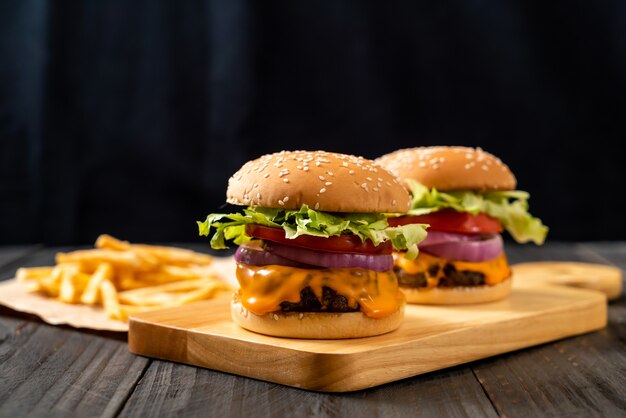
{"x":450,"y":168}
{"x":322,"y":180}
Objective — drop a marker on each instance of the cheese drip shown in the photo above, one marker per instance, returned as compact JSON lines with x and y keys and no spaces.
{"x":262,"y":289}
{"x":495,"y":270}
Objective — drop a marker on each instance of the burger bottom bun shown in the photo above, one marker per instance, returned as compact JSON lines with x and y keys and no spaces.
{"x":315,"y":325}
{"x":458,"y":295}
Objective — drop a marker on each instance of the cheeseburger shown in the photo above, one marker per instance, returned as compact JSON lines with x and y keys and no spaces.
{"x":315,"y":248}
{"x":467,"y":197}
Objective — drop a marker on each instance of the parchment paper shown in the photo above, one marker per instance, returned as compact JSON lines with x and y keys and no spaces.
{"x":14,"y":295}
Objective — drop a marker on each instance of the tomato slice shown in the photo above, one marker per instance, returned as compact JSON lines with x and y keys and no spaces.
{"x":336,"y":244}
{"x":449,"y":220}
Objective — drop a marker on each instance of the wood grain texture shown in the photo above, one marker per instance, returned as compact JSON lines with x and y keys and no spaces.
{"x":430,"y":338}
{"x":169,"y":389}
{"x":583,"y":376}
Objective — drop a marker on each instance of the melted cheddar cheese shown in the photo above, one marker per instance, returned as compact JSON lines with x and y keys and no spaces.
{"x":262,"y":289}
{"x":495,"y":271}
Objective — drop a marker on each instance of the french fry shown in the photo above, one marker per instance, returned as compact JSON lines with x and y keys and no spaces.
{"x":91,"y":294}
{"x":126,"y":259}
{"x":33,"y":273}
{"x":110,"y":299}
{"x":107,"y":241}
{"x":169,"y":293}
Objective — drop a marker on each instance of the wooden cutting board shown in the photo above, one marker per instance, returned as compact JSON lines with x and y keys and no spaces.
{"x":430,"y":338}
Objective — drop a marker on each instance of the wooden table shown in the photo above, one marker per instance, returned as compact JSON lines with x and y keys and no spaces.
{"x":47,"y":370}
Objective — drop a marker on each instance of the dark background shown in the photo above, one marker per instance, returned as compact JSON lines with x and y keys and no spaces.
{"x":129,"y":117}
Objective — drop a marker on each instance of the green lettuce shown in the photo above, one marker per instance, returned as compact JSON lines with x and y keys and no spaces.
{"x":307,"y":221}
{"x":509,"y":207}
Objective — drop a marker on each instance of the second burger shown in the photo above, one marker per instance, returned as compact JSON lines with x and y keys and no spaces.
{"x":314,"y":257}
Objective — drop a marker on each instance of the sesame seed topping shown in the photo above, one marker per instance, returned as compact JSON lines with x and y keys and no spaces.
{"x":330,"y":173}
{"x":393,"y":202}
{"x":317,"y":205}
{"x":323,"y":189}
{"x":375,"y":189}
{"x":266,"y":175}
{"x":317,"y":163}
{"x":484,"y":167}
{"x":299,"y":167}
{"x":328,"y":183}
{"x":345,"y":164}
{"x":280,"y":202}
{"x":258,"y":196}
{"x":368,"y":178}
{"x":286,"y":180}
{"x":286,"y":198}
{"x":469,"y":156}
{"x":379,"y":179}
{"x":422,"y":164}
{"x":351,"y":172}
{"x":255,"y":185}
{"x":275,"y":317}
{"x":300,"y":315}
{"x":436,"y":167}
{"x":306,"y":168}
{"x":364,"y":186}
{"x":321,"y":178}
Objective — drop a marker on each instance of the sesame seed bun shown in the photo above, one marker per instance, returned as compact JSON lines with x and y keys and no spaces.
{"x":450,"y":168}
{"x":315,"y":325}
{"x":458,"y":295}
{"x":322,"y":180}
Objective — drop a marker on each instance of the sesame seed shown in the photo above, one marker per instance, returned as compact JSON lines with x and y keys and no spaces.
{"x":299,"y":167}
{"x":393,"y":202}
{"x":266,"y":175}
{"x":317,"y":205}
{"x":388,"y":184}
{"x":484,"y":167}
{"x":328,"y":183}
{"x":255,"y":185}
{"x":286,"y":180}
{"x":306,"y":168}
{"x":317,"y":163}
{"x":379,"y":179}
{"x":375,"y":189}
{"x":422,"y":164}
{"x":364,"y":186}
{"x":323,"y":189}
{"x":468,"y":166}
{"x":469,"y":156}
{"x":436,"y":167}
{"x":368,"y":178}
{"x":330,"y":173}
{"x":280,"y":202}
{"x":258,"y":196}
{"x":275,"y":317}
{"x":345,"y":164}
{"x":351,"y":172}
{"x":300,"y":315}
{"x":286,"y":198}
{"x":321,"y":178}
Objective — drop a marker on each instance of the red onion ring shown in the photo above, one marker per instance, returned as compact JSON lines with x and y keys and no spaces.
{"x":376,"y":262}
{"x":440,"y":237}
{"x":254,"y":255}
{"x":486,"y":247}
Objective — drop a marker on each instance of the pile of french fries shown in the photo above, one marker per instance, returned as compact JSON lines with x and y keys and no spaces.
{"x":127,"y":278}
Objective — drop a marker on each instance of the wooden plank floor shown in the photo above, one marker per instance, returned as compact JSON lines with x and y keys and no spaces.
{"x":46,"y":370}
